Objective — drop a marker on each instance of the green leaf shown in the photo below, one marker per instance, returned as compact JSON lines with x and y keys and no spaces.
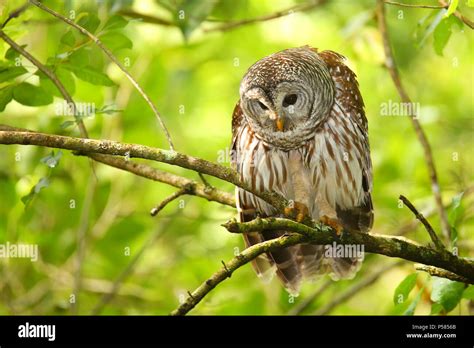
{"x":11,"y":72}
{"x":42,"y":183}
{"x":453,"y":5}
{"x":404,"y":288}
{"x":6,"y":95}
{"x":79,"y":58}
{"x":90,"y":22}
{"x":446,"y":292}
{"x":52,"y":160}
{"x":66,"y":78}
{"x":442,"y":33}
{"x":424,"y":31}
{"x":436,"y":309}
{"x":411,"y":308}
{"x":470,"y":3}
{"x":116,"y":41}
{"x":453,"y":216}
{"x":115,"y":22}
{"x":456,"y":203}
{"x":11,"y":54}
{"x":27,"y":94}
{"x":67,"y":124}
{"x":468,"y":293}
{"x":108,"y":109}
{"x":90,"y":74}
{"x":190,"y":14}
{"x":68,"y":39}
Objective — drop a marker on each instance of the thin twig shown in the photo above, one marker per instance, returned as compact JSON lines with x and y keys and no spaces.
{"x":51,"y":75}
{"x":392,"y":68}
{"x":297,"y":8}
{"x":413,"y":224}
{"x":438,"y":272}
{"x":443,"y":4}
{"x":81,"y":240}
{"x":353,"y":290}
{"x":113,"y":59}
{"x":438,"y":244}
{"x":434,"y":7}
{"x":204,"y":181}
{"x":168,"y":200}
{"x":459,"y":15}
{"x":15,"y":13}
{"x":145,"y":18}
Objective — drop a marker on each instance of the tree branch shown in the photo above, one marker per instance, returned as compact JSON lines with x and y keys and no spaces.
{"x":145,"y":171}
{"x":438,"y":272}
{"x":169,"y":199}
{"x":113,"y":59}
{"x":324,"y":235}
{"x":147,"y":18}
{"x":88,"y":147}
{"x":51,"y":75}
{"x":389,"y":246}
{"x":377,"y":244}
{"x":433,"y":7}
{"x":438,"y":244}
{"x":392,"y":68}
{"x":443,"y":4}
{"x":297,"y":8}
{"x":15,"y":13}
{"x":459,"y":15}
{"x":229,"y":267}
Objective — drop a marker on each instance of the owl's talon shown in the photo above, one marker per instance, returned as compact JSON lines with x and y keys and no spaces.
{"x":297,"y":211}
{"x":333,"y":223}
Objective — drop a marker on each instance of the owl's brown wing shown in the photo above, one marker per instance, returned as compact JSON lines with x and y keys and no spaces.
{"x":349,"y":102}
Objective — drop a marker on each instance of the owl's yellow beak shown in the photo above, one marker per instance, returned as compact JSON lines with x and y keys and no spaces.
{"x":280,"y":124}
{"x":278,"y":120}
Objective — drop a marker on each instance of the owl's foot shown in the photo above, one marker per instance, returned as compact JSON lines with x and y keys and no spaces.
{"x":331,"y":222}
{"x":297,"y":211}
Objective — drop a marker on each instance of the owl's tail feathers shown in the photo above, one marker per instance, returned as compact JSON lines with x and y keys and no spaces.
{"x":343,"y":267}
{"x":287,"y":264}
{"x":262,"y":264}
{"x":312,"y":261}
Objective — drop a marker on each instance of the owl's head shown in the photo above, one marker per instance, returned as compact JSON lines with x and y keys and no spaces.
{"x":286,"y":96}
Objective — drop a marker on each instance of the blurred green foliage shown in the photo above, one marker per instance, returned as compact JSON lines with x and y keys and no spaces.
{"x":193,"y":77}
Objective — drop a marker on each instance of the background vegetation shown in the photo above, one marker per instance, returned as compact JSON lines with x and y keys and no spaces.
{"x":192,"y":73}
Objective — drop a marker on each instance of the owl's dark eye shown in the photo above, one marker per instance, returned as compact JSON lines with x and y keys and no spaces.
{"x":263,"y":106}
{"x":290,"y":99}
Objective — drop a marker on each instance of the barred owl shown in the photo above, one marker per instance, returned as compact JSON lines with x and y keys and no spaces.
{"x":299,"y":129}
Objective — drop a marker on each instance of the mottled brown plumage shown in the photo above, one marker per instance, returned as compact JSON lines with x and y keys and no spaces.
{"x":300,"y":129}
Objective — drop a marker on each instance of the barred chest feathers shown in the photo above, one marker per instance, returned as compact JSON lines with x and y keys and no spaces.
{"x":325,"y":172}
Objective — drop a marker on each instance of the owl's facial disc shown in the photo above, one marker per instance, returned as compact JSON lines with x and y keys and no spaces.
{"x":286,"y":96}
